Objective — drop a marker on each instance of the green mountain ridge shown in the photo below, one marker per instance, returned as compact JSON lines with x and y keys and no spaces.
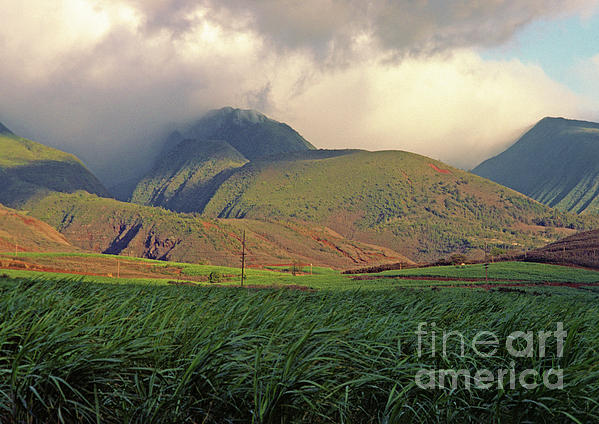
{"x":374,"y":206}
{"x":32,"y":170}
{"x":556,"y":163}
{"x":412,"y":204}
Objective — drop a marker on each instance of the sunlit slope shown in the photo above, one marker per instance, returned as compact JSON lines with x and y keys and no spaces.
{"x":556,"y":163}
{"x":22,"y":233}
{"x":110,"y":226}
{"x":410,"y":203}
{"x":29,"y":170}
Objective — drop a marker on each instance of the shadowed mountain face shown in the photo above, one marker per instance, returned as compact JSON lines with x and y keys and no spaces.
{"x":4,"y":130}
{"x":185,"y":178}
{"x":31,"y":170}
{"x":250,"y":132}
{"x":556,"y":163}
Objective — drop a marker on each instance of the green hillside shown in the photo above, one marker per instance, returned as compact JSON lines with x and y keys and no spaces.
{"x":109,"y":226}
{"x":31,"y":170}
{"x":183,"y":179}
{"x":556,"y":163}
{"x":412,"y":204}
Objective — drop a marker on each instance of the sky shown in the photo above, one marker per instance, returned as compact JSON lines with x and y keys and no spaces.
{"x":454,"y":80}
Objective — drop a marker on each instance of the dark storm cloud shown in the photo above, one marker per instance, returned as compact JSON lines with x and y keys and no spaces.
{"x":413,"y":26}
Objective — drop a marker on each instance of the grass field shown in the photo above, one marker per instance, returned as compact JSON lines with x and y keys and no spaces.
{"x":147,"y":271}
{"x":111,"y":353}
{"x":73,"y":349}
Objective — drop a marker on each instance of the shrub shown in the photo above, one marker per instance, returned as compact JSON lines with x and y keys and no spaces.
{"x":215,"y":277}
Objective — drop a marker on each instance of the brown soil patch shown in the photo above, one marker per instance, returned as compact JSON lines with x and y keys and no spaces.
{"x":426,"y":278}
{"x":439,"y":170}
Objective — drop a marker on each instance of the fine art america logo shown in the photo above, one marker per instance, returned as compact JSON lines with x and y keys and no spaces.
{"x":485,"y":344}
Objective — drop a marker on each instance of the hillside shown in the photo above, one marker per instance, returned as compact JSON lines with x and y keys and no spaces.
{"x":22,"y":233}
{"x":556,"y":163}
{"x":417,"y":206}
{"x":580,"y":249}
{"x":31,"y":170}
{"x":183,"y":179}
{"x":109,"y":226}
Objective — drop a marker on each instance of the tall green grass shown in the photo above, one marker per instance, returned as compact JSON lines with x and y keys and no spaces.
{"x":72,"y":352}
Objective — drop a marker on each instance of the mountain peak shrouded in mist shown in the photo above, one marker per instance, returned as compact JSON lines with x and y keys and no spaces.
{"x":250,"y":132}
{"x":193,"y":159}
{"x":555,"y":162}
{"x":5,"y":130}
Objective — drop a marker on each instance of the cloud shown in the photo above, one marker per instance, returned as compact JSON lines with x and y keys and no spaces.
{"x":458,"y":108}
{"x":405,"y":26}
{"x":104,"y":78}
{"x":586,"y":76}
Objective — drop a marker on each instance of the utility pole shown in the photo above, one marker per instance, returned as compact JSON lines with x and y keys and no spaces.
{"x":243,"y":258}
{"x":118,"y":268}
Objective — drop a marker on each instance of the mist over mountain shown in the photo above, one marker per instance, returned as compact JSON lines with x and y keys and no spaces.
{"x":240,"y":165}
{"x":412,"y":204}
{"x":556,"y":162}
{"x":250,"y":132}
{"x":195,"y":158}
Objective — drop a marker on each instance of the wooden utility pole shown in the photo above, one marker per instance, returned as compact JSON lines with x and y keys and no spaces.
{"x":243,"y":258}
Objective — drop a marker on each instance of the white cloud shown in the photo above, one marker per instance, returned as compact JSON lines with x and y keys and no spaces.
{"x":457,"y":108}
{"x":100,"y":77}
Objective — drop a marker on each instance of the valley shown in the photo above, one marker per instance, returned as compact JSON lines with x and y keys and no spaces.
{"x":344,"y":252}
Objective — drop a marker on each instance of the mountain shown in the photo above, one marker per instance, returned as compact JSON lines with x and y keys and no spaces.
{"x":581,"y":249}
{"x":556,"y":163}
{"x":109,"y":226}
{"x":19,"y":232}
{"x":31,"y":170}
{"x":4,"y":130}
{"x":409,"y":203}
{"x":250,"y":132}
{"x":196,"y":159}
